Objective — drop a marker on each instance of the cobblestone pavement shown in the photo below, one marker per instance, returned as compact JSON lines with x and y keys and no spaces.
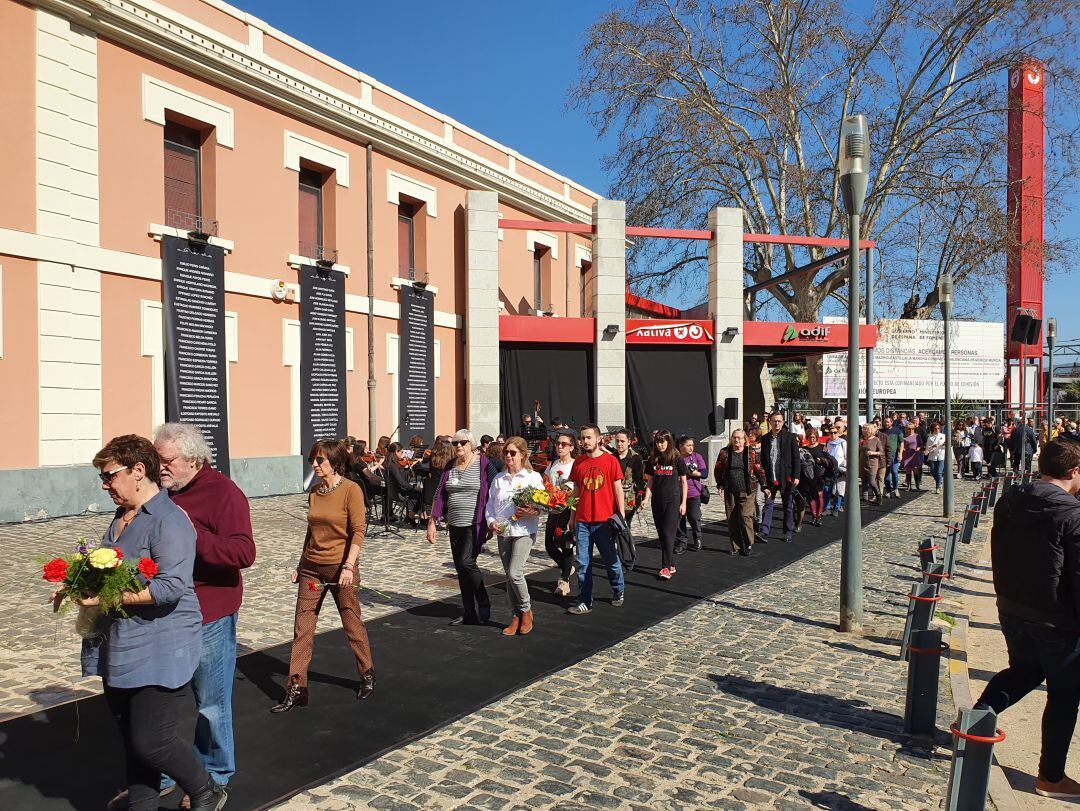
{"x":749,"y":699}
{"x":39,"y":661}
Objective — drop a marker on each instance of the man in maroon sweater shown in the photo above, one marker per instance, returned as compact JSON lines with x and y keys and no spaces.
{"x":223,"y":546}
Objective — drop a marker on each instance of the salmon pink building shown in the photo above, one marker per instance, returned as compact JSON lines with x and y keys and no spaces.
{"x":134,"y":128}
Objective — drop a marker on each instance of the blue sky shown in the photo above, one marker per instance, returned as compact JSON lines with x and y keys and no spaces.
{"x":513,"y":63}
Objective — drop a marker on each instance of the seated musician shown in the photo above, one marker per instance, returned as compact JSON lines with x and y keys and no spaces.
{"x":398,"y":480}
{"x":416,"y":447}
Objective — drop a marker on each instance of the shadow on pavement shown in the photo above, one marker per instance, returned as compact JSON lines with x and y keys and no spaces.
{"x":842,"y":713}
{"x":832,"y":800}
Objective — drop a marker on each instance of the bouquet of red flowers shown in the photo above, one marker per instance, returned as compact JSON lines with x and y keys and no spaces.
{"x":551,"y":498}
{"x":96,"y":571}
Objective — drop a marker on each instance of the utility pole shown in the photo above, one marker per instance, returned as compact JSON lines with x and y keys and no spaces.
{"x":945,"y":296}
{"x":852,"y":165}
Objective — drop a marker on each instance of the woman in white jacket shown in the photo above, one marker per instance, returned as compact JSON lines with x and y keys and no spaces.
{"x":515,"y":527}
{"x":935,"y":454}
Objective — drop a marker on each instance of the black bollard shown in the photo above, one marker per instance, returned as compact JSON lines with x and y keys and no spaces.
{"x":974,"y":735}
{"x":928,"y":553}
{"x":969,"y":525}
{"x":934,"y":573}
{"x":924,"y":668}
{"x":952,"y":537}
{"x":921,"y":604}
{"x":984,"y":499}
{"x":975,"y":506}
{"x":995,"y":485}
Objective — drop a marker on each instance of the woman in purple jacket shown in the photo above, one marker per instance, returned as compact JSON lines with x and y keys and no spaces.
{"x":461,"y":499}
{"x":696,"y":473}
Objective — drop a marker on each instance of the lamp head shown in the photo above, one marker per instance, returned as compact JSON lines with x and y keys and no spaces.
{"x":853,"y":161}
{"x":1051,"y":330}
{"x":945,"y":289}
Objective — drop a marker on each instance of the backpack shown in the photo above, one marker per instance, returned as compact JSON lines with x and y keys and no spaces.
{"x":832,"y":469}
{"x":807,"y":468}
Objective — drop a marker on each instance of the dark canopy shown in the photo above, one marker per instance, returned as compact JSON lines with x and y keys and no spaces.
{"x":670,"y":388}
{"x":559,"y":376}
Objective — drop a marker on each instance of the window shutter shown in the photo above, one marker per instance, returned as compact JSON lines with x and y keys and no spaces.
{"x":406,"y":241}
{"x":182,"y":204}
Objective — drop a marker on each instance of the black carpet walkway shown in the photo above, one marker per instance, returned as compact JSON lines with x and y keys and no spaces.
{"x":69,"y":757}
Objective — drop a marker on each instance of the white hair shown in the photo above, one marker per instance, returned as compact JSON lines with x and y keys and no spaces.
{"x":467,"y":435}
{"x":188,"y":437}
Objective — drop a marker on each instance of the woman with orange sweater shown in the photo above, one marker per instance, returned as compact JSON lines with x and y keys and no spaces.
{"x":336,"y":521}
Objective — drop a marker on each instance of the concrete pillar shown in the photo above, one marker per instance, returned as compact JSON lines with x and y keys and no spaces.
{"x":609,"y":303}
{"x":726,"y":310}
{"x":482,"y":312}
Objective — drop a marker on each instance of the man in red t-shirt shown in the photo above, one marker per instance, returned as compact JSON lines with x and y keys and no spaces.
{"x":597,"y":478}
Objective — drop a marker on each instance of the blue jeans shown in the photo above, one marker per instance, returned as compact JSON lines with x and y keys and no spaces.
{"x":935,"y":470}
{"x":892,"y":477}
{"x":213,"y":687}
{"x":598,"y":533}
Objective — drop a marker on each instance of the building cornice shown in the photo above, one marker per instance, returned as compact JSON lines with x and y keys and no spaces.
{"x":220,"y":60}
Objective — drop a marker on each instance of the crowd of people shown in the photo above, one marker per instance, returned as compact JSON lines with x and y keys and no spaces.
{"x":174,"y":653}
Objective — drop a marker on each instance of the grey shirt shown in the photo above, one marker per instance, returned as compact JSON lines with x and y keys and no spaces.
{"x":462,"y":490}
{"x":156,"y":644}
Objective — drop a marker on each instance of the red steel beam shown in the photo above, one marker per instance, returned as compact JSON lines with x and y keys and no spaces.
{"x":815,"y":242}
{"x":679,"y":233}
{"x":667,"y":233}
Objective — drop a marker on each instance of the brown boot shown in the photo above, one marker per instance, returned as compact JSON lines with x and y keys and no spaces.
{"x":296,"y":695}
{"x":512,"y":628}
{"x":526,"y":623}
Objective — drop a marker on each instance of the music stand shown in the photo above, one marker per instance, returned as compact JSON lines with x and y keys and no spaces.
{"x":387,"y":505}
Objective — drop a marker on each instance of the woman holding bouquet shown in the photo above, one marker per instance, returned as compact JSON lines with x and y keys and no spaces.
{"x":146,"y":659}
{"x":558,"y":542}
{"x":665,"y":474}
{"x":515,"y":527}
{"x":337,"y":518}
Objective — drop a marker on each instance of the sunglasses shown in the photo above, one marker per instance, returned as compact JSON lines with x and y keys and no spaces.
{"x":318,"y":460}
{"x":457,"y":443}
{"x":510,"y":453}
{"x":565,"y":444}
{"x":107,"y":476}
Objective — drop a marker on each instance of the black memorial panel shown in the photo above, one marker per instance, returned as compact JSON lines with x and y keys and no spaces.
{"x":322,"y":356}
{"x":416,"y":364}
{"x":193,"y":280}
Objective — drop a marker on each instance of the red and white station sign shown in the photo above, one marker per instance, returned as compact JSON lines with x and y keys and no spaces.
{"x":660,"y":331}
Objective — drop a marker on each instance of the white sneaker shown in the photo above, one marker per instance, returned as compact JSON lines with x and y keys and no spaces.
{"x":562,"y":588}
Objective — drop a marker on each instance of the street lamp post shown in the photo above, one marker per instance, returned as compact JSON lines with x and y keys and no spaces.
{"x":1051,"y":339}
{"x":852,"y":165}
{"x":945,"y":297}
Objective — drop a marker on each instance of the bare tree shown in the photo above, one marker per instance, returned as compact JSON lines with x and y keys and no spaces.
{"x":738,"y":103}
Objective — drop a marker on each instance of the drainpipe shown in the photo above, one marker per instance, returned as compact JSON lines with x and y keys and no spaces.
{"x":372,"y":435}
{"x":566,"y":261}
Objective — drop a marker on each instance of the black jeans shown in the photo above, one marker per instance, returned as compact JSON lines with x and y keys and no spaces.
{"x":666,"y":517}
{"x":157,"y":726}
{"x":1038,"y":653}
{"x":693,"y":518}
{"x":474,"y":596}
{"x":560,"y":544}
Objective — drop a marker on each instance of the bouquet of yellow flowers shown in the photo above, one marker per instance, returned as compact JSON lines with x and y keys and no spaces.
{"x":550,"y":498}
{"x":96,"y":571}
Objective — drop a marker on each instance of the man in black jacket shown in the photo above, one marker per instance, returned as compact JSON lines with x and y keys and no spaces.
{"x":780,"y":461}
{"x":1035,"y":545}
{"x":1023,"y":440}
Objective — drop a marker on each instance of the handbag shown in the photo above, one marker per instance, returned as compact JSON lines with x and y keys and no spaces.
{"x":705,"y":495}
